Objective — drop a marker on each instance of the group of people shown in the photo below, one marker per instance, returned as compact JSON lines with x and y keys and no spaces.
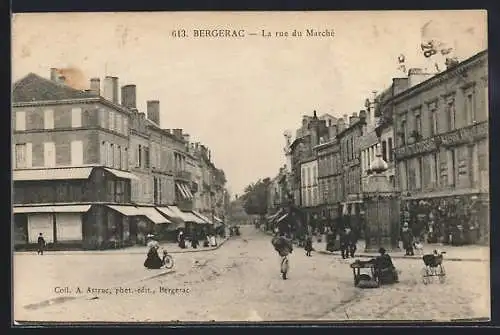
{"x":209,"y":240}
{"x":383,"y":265}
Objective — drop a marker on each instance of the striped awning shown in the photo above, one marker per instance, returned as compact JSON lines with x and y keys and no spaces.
{"x":125,"y":210}
{"x":191,"y":217}
{"x":152,"y":214}
{"x":203,"y":217}
{"x":122,"y":174}
{"x":52,"y":174}
{"x":184,"y":190}
{"x":52,"y":209}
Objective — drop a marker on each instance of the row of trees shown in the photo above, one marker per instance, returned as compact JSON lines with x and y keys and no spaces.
{"x":255,"y":197}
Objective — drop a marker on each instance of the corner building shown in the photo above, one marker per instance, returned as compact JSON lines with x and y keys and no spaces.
{"x":441,"y":152}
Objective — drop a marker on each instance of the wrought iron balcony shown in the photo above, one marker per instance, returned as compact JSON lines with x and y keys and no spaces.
{"x":184,"y":175}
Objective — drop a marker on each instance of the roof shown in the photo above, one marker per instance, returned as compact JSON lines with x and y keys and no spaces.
{"x":36,"y":88}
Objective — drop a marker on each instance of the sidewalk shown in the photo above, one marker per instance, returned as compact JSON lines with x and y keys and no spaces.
{"x":473,"y":253}
{"x":171,"y":247}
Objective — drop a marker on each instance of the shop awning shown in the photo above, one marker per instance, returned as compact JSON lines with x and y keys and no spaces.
{"x":168,"y":212}
{"x":52,"y":209}
{"x":152,"y":214}
{"x":177,"y":220}
{"x":191,"y":217}
{"x":218,"y":220}
{"x":203,"y":217}
{"x":125,"y":210}
{"x":122,"y":174}
{"x":52,"y":174}
{"x":178,"y":213}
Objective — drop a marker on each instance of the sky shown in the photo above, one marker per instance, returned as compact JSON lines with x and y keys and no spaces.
{"x":238,"y":95}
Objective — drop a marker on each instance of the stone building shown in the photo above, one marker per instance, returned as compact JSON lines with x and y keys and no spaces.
{"x":70,"y":166}
{"x":349,"y":140}
{"x":441,"y":144}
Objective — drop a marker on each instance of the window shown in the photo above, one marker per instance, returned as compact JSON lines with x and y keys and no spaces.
{"x":103,"y":153}
{"x":76,"y":153}
{"x":20,"y":155}
{"x":451,"y":167}
{"x":111,"y":120}
{"x":49,"y":154}
{"x":76,"y":117}
{"x":146,"y":158}
{"x":21,"y":120}
{"x":102,"y":119}
{"x":120,"y":158}
{"x":384,"y":150}
{"x":155,"y":190}
{"x":435,"y":170}
{"x":352,"y":147}
{"x":112,"y":150}
{"x":119,"y":195}
{"x":389,"y":150}
{"x":48,"y":119}
{"x":403,"y":132}
{"x":118,"y":123}
{"x":469,"y":108}
{"x":433,"y":125}
{"x":125,"y":125}
{"x":450,"y":115}
{"x":109,"y":154}
{"x":418,"y":125}
{"x":139,"y":156}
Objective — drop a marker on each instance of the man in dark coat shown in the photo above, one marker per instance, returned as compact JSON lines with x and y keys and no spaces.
{"x":41,"y":244}
{"x":407,"y":239}
{"x":308,"y":246}
{"x":345,"y":242}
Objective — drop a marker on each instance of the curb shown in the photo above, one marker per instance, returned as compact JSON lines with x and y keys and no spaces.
{"x":124,"y":252}
{"x":453,"y":259}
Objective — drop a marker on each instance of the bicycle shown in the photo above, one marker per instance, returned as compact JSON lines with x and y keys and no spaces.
{"x":168,"y":260}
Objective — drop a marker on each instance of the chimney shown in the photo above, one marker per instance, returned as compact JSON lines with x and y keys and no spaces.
{"x":95,"y":86}
{"x":111,"y":89}
{"x":153,"y":110}
{"x":54,"y":74}
{"x":362,"y":114}
{"x":186,"y":137}
{"x":332,"y":132}
{"x":177,"y":133}
{"x":417,"y":75}
{"x":129,"y":96}
{"x":346,"y":120}
{"x":341,"y":125}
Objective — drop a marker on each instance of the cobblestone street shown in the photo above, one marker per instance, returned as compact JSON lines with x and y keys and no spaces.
{"x":241,"y":281}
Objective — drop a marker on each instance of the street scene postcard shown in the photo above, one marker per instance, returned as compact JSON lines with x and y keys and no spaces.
{"x":250,"y":167}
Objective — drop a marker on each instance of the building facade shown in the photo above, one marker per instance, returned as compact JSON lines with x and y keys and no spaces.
{"x":442,"y":147}
{"x":89,"y":172}
{"x":350,"y":155}
{"x":70,"y":169}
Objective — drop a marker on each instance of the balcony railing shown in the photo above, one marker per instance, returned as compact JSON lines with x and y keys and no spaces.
{"x":185,"y":175}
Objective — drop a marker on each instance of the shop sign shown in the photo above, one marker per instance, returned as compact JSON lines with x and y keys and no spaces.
{"x":421,"y":147}
{"x":465,"y":135}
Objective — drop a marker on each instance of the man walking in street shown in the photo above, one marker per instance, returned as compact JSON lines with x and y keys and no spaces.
{"x":41,"y":244}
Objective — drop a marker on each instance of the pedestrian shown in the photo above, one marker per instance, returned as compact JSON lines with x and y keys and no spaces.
{"x":308,"y":246}
{"x":407,"y":238}
{"x":41,"y":244}
{"x":182,"y":240}
{"x":352,"y":240}
{"x":344,"y":242}
{"x":194,"y":241}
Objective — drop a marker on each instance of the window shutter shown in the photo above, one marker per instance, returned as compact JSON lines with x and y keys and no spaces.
{"x":48,"y":119}
{"x":21,"y":120}
{"x":76,"y":117}
{"x":76,"y":153}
